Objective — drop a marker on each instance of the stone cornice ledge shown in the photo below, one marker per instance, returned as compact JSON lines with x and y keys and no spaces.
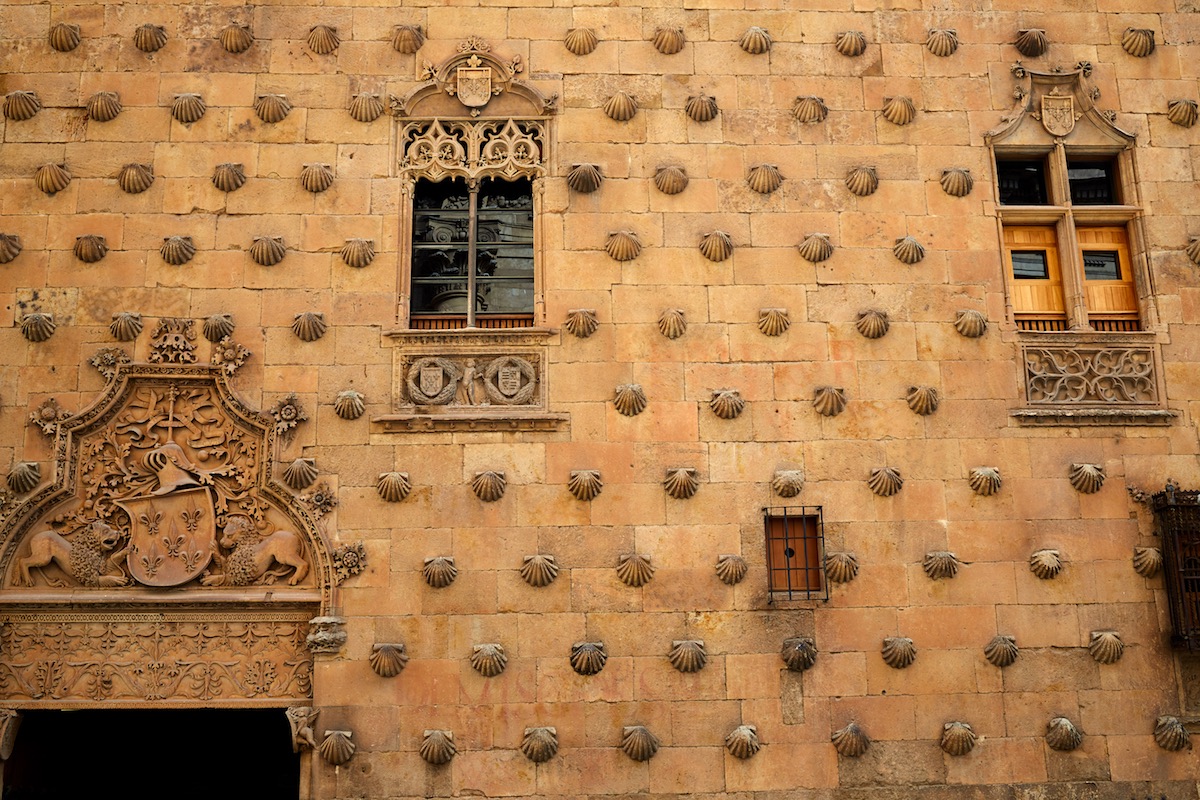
{"x":1092,"y":415}
{"x":507,"y":421}
{"x":471,"y":337}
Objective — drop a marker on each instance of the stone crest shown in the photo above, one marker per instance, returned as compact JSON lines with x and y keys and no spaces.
{"x":1058,"y":114}
{"x":473,"y":84}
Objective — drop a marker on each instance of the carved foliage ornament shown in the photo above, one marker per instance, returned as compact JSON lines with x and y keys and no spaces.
{"x":1096,"y":375}
{"x":437,"y":149}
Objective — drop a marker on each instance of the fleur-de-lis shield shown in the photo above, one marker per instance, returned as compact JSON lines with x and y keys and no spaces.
{"x":172,"y":537}
{"x":1058,"y":114}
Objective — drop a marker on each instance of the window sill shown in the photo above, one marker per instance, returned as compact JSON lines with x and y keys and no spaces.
{"x":468,"y":337}
{"x":417,"y":422}
{"x":1091,"y":416}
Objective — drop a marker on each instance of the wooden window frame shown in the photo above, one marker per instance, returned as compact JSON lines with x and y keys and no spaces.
{"x":795,"y":573}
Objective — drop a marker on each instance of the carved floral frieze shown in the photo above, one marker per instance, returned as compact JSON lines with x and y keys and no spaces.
{"x":1090,"y":375}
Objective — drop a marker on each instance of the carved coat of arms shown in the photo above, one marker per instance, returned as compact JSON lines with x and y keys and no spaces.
{"x":1058,"y":114}
{"x":171,"y":537}
{"x":474,"y":86}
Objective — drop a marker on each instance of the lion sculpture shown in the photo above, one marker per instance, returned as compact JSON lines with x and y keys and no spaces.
{"x":253,"y":556}
{"x":83,"y":556}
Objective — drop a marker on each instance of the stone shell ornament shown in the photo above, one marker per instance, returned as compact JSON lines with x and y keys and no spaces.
{"x":851,"y":741}
{"x":1147,"y":561}
{"x":540,"y":744}
{"x":764,"y":178}
{"x":898,"y":652}
{"x":799,"y":653}
{"x":21,"y":105}
{"x":635,"y":569}
{"x":958,"y":738}
{"x":742,"y":742}
{"x":393,"y":487}
{"x":630,"y":400}
{"x":217,"y":326}
{"x":787,"y":482}
{"x":731,"y":569}
{"x":1032,"y":42}
{"x":10,"y":247}
{"x":439,"y":571}
{"x":90,"y":248}
{"x":177,"y":250}
{"x":588,"y":658}
{"x":489,"y":485}
{"x":581,"y":322}
{"x":272,"y":108}
{"x":755,"y":41}
{"x":1002,"y":650}
{"x":639,"y":743}
{"x":668,"y":41}
{"x":701,"y":108}
{"x":229,"y":177}
{"x":349,"y":404}
{"x":940,"y":565}
{"x":840,"y":567}
{"x":773,"y":321}
{"x":1183,"y":112}
{"x":407,"y":39}
{"x":850,"y":43}
{"x":388,"y":659}
{"x":1087,"y":478}
{"x":309,"y":325}
{"x":908,"y":250}
{"x":862,"y":181}
{"x":688,"y":655}
{"x":957,"y":181}
{"x":923,"y":400}
{"x":358,"y":253}
{"x":1138,"y":42}
{"x":670,"y":179}
{"x":984,"y":481}
{"x":970,"y":323}
{"x":672,"y":323}
{"x":1106,"y":647}
{"x":585,"y":178}
{"x":63,"y":36}
{"x":872,"y":323}
{"x":621,"y":107}
{"x":150,"y":38}
{"x":301,"y":473}
{"x":885,"y":481}
{"x":942,"y":42}
{"x":815,"y":248}
{"x":1193,"y":250}
{"x":135,"y":178}
{"x":1062,"y":735}
{"x":316,"y":178}
{"x":267,"y":251}
{"x":104,"y":106}
{"x":337,"y":748}
{"x":899,"y":110}
{"x":323,"y":40}
{"x":437,"y":747}
{"x":539,"y":570}
{"x":829,"y":401}
{"x":1046,"y":564}
{"x":188,"y":108}
{"x":489,"y":659}
{"x":681,"y":482}
{"x":585,"y":484}
{"x":236,"y":38}
{"x":581,"y":41}
{"x":1170,"y":734}
{"x":365,"y":107}
{"x":623,"y":246}
{"x":809,"y":109}
{"x":125,"y":326}
{"x":52,"y":178}
{"x":24,"y":477}
{"x":716,"y":246}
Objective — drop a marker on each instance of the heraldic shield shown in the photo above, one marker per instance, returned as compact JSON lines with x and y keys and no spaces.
{"x":172,"y":537}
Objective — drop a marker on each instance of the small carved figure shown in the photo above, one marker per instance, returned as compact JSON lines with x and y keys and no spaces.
{"x":301,"y":719}
{"x":83,"y":557}
{"x":252,"y":556}
{"x":470,"y":390}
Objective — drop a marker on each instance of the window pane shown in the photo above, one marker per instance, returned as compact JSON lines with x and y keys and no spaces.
{"x":1092,"y":182}
{"x":1022,"y":183}
{"x":1101,"y":265}
{"x":504,"y":258}
{"x":1030,"y":264}
{"x":439,"y":250}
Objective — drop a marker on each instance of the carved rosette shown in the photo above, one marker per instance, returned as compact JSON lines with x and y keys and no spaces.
{"x":47,"y":416}
{"x":349,"y":560}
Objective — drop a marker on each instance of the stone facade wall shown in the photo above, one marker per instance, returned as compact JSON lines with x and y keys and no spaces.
{"x":979,"y":380}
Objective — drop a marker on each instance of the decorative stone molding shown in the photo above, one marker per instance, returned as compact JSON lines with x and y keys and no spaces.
{"x":1106,"y":647}
{"x":731,"y":569}
{"x":63,"y":36}
{"x":588,"y":658}
{"x":388,"y":659}
{"x":773,"y":321}
{"x":326,"y":635}
{"x":670,"y":179}
{"x":581,"y":41}
{"x":799,"y":653}
{"x":872,"y":323}
{"x":1147,"y":561}
{"x":941,"y":565}
{"x":188,"y":108}
{"x":787,"y":482}
{"x":439,"y":571}
{"x":581,"y":322}
{"x":672,"y":323}
{"x":539,"y":570}
{"x":309,"y":325}
{"x":349,"y":404}
{"x":985,"y":481}
{"x":365,"y":107}
{"x":1046,"y":564}
{"x":407,"y":39}
{"x":885,"y":481}
{"x":323,"y":40}
{"x":898,"y":652}
{"x":51,"y":178}
{"x":437,"y":747}
{"x":899,"y":110}
{"x":742,"y":742}
{"x":850,"y":741}
{"x":1087,"y":478}
{"x":540,"y":744}
{"x":393,"y":487}
{"x":1002,"y":650}
{"x":635,"y":569}
{"x":1170,"y":734}
{"x":688,"y":655}
{"x":488,"y":659}
{"x":1086,"y":374}
{"x":958,"y":738}
{"x":489,"y":485}
{"x":840,"y":567}
{"x":809,"y":109}
{"x":681,"y":482}
{"x":477,"y":379}
{"x":639,"y":743}
{"x":585,"y":484}
{"x":1062,"y":735}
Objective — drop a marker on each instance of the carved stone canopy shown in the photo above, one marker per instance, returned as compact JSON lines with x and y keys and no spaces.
{"x":1064,"y":102}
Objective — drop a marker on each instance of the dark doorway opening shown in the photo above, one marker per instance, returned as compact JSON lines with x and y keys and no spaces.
{"x":153,"y":753}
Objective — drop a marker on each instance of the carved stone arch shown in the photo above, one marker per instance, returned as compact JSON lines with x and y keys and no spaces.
{"x":1064,"y":102}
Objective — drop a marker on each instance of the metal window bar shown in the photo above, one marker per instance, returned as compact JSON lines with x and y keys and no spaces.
{"x":1178,"y":515}
{"x":795,"y":539}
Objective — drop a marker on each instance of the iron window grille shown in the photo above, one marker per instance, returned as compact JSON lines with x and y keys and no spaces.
{"x":1178,"y":515}
{"x":795,"y":538}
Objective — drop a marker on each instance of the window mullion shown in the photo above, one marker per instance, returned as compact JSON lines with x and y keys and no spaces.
{"x":472,"y":230}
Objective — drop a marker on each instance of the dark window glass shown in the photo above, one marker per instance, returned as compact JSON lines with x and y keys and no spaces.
{"x":1101,"y":265}
{"x":1093,"y":183}
{"x":1030,"y":264}
{"x":1022,"y":183}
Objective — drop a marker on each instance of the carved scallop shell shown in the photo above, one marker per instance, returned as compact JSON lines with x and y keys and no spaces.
{"x":581,"y":41}
{"x":716,"y":246}
{"x":309,"y":325}
{"x":63,"y":36}
{"x":742,"y":741}
{"x":970,"y":323}
{"x":323,"y":40}
{"x":985,"y":481}
{"x":908,"y":250}
{"x":268,"y":251}
{"x":229,"y":177}
{"x":393,"y":487}
{"x":898,"y":652}
{"x":688,"y":655}
{"x":639,"y":743}
{"x":1147,"y":561}
{"x":10,"y":247}
{"x":21,"y":105}
{"x":489,"y":659}
{"x":1062,"y":735}
{"x":942,"y":43}
{"x":358,"y":253}
{"x":731,"y":569}
{"x":90,"y":248}
{"x":388,"y":659}
{"x":1087,"y":478}
{"x":630,"y":400}
{"x":1046,"y":564}
{"x":773,"y":321}
{"x":922,"y":400}
{"x":301,"y":473}
{"x":764,"y":178}
{"x":188,"y":108}
{"x":316,"y":178}
{"x":851,"y":43}
{"x":701,"y":107}
{"x":670,"y":179}
{"x":437,"y":747}
{"x":681,"y":482}
{"x":407,"y":39}
{"x":899,"y":110}
{"x":840,"y":567}
{"x":669,"y":41}
{"x":815,"y":248}
{"x":1193,"y":250}
{"x":150,"y":38}
{"x":862,"y":181}
{"x":672,"y":323}
{"x":177,"y":250}
{"x":872,"y":323}
{"x":585,"y":484}
{"x":125,"y":326}
{"x":1170,"y":734}
{"x":623,"y":246}
{"x":218,"y":326}
{"x":539,"y":570}
{"x":1002,"y":650}
{"x":489,"y":485}
{"x":1138,"y":42}
{"x":588,"y":658}
{"x":851,"y":741}
{"x":829,"y":401}
{"x":1183,"y":112}
{"x":940,"y":564}
{"x":635,"y":569}
{"x":337,"y":747}
{"x":272,"y":108}
{"x":799,"y":653}
{"x":1032,"y":43}
{"x":439,"y":571}
{"x":365,"y":107}
{"x":37,"y":326}
{"x":621,"y":107}
{"x":585,"y":178}
{"x":581,"y":322}
{"x":957,"y":181}
{"x":787,"y":482}
{"x":810,"y":109}
{"x":957,"y":738}
{"x":540,"y":744}
{"x":51,"y":178}
{"x":1106,"y":647}
{"x":349,"y":404}
{"x":135,"y":178}
{"x":104,"y":106}
{"x":755,"y":41}
{"x":236,"y":38}
{"x":24,"y":477}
